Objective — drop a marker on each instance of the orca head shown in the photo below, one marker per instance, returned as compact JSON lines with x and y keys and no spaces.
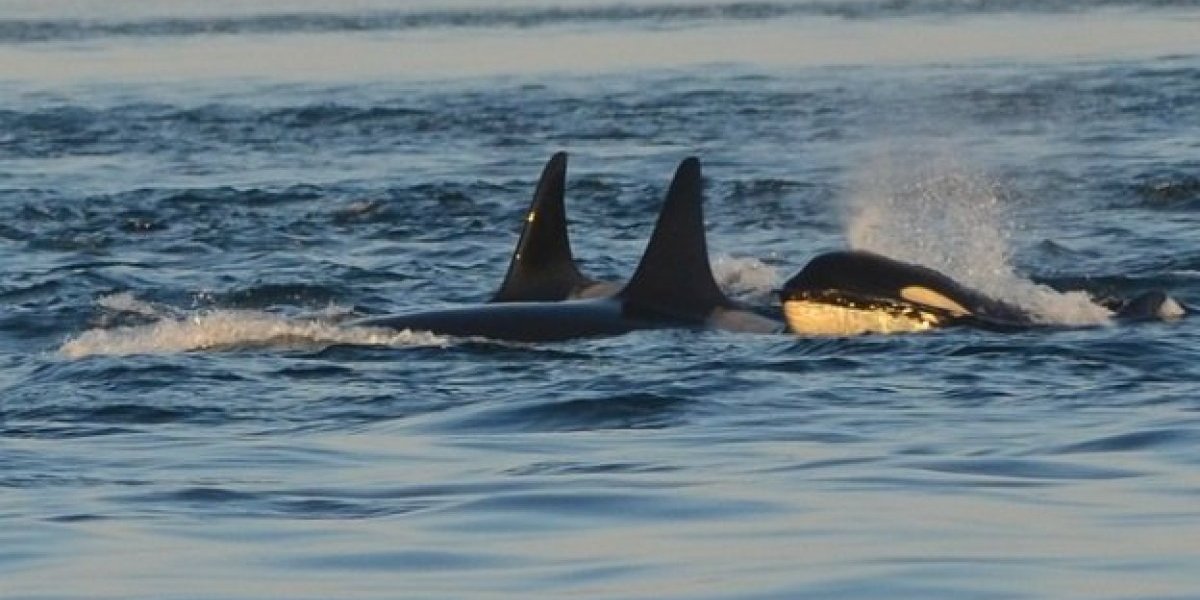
{"x":543,"y":268}
{"x":856,"y":292}
{"x":674,"y":279}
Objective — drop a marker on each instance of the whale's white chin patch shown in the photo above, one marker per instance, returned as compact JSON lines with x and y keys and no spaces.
{"x":806,"y":317}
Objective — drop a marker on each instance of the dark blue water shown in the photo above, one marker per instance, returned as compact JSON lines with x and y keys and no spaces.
{"x":199,"y":196}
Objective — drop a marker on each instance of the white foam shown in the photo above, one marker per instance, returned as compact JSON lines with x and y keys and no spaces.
{"x":125,"y":302}
{"x":745,"y":278}
{"x":951,"y":219}
{"x":217,"y":329}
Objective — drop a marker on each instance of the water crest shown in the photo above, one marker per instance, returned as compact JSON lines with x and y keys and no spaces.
{"x":173,"y":330}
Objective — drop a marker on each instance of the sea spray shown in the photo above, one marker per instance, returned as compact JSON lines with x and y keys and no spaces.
{"x":177,"y":331}
{"x":745,"y":278}
{"x":951,"y":219}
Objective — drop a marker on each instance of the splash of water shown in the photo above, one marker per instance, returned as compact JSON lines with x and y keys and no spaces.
{"x":746,"y":278}
{"x":950,"y":219}
{"x":177,"y":331}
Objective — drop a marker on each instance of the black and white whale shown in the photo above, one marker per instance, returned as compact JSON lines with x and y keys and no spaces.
{"x":543,"y":268}
{"x":855,"y":292}
{"x":673,"y":285}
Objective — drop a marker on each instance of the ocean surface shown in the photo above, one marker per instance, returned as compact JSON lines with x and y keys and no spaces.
{"x":199,"y":196}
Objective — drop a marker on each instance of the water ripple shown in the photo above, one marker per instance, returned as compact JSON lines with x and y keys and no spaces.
{"x":1134,"y":441}
{"x":616,"y":411}
{"x":1024,"y":469}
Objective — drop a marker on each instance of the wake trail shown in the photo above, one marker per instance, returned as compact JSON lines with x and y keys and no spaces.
{"x":174,"y":330}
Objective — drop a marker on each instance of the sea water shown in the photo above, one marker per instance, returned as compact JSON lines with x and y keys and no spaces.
{"x":200,"y":196}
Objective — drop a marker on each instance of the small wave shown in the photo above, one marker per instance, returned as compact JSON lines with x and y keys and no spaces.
{"x":122,"y":309}
{"x":1133,"y":441}
{"x":125,"y":302}
{"x":770,"y":188}
{"x":1180,"y":193}
{"x":242,"y":197}
{"x":266,"y":295}
{"x":1025,"y":469}
{"x":1112,"y":290}
{"x":950,"y":219}
{"x":225,"y":329}
{"x":619,"y":411}
{"x":328,"y":114}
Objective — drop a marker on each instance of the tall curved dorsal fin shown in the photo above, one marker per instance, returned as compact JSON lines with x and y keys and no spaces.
{"x":542,"y":267}
{"x":674,"y":278}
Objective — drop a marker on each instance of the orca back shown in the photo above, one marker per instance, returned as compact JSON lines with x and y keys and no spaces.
{"x":672,"y":287}
{"x":542,"y":268}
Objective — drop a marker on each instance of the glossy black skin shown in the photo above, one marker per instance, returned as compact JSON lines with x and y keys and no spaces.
{"x":673,"y":286}
{"x":869,"y":277}
{"x":534,"y":321}
{"x":865,"y":277}
{"x":543,"y":268}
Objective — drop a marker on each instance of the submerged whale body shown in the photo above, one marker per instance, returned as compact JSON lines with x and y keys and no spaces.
{"x":1154,"y":305}
{"x":673,"y":285}
{"x":855,"y":292}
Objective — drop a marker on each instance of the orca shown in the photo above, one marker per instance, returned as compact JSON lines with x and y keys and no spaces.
{"x":1154,"y":305}
{"x":854,"y":292}
{"x":673,"y":285}
{"x":542,"y":268}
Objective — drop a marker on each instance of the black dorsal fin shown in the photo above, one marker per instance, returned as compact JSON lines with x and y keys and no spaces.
{"x":542,"y":267}
{"x":674,"y":278}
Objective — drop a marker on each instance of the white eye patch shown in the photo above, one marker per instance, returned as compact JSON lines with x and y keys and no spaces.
{"x":923,"y":295}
